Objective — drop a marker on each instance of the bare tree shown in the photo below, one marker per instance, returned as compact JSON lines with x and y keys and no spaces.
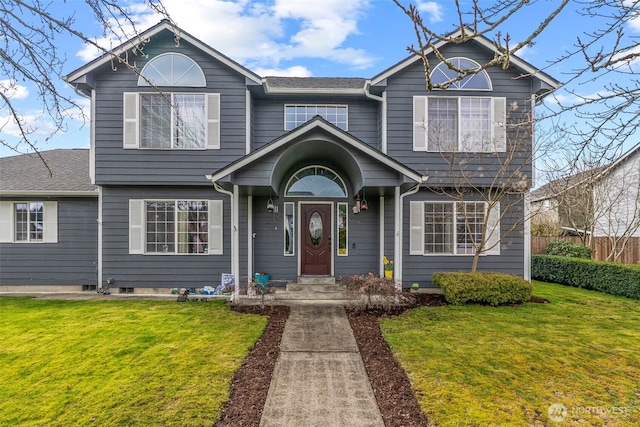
{"x":610,"y":116}
{"x":30,"y":52}
{"x":488,"y":187}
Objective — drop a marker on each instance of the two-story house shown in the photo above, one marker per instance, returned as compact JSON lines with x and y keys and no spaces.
{"x":204,"y":167}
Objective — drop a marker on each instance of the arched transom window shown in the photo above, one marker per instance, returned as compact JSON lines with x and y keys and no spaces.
{"x":442,"y":73}
{"x":172,"y":69}
{"x":315,"y":181}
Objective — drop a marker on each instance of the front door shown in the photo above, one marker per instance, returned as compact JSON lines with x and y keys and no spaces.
{"x":315,"y":230}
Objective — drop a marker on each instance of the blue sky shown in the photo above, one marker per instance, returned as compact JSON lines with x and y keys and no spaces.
{"x":321,"y":38}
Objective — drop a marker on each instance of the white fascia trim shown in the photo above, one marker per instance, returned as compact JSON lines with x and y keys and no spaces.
{"x":106,"y":58}
{"x":528,"y":68}
{"x":300,"y":131}
{"x":32,"y":193}
{"x":247,"y":126}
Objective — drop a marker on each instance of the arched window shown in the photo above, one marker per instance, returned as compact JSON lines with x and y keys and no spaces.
{"x":172,"y":69}
{"x":442,"y":74}
{"x":315,"y":181}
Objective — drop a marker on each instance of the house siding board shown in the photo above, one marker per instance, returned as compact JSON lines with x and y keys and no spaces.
{"x":71,"y":261}
{"x":410,"y":82}
{"x":115,"y":165}
{"x":143,"y":271}
{"x":418,"y":268}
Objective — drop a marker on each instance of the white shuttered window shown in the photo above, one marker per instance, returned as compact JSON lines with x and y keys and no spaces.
{"x":176,"y":227}
{"x":465,"y":124}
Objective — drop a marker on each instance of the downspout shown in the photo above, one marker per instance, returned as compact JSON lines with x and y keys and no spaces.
{"x":399,"y":198}
{"x":383,"y":125}
{"x":234,"y":236}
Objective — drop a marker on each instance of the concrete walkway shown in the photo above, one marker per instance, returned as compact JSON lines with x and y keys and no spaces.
{"x":319,"y":378}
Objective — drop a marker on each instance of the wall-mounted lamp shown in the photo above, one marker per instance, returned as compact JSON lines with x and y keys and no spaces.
{"x":270,"y":206}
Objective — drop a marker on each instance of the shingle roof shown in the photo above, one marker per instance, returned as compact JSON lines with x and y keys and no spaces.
{"x":315,"y":83}
{"x":27,"y":173}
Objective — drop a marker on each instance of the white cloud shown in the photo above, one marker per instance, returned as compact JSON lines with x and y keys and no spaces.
{"x":431,"y":8}
{"x":32,"y":122}
{"x":12,"y":90}
{"x":295,"y":71}
{"x":265,"y":34}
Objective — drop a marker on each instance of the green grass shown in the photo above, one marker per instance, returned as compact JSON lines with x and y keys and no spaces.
{"x":118,"y":363}
{"x":486,"y":366}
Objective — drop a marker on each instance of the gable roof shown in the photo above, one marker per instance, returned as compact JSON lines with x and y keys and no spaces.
{"x":148,"y":34}
{"x":483,"y":41}
{"x":27,"y":175}
{"x":317,"y":123}
{"x":558,"y":186}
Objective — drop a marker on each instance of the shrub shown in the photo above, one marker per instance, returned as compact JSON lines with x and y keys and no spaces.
{"x":609,"y":277}
{"x":483,"y":288}
{"x":371,"y":292}
{"x":568,"y":248}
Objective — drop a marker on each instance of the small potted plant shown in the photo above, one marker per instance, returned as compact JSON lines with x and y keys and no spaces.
{"x":415,"y":286}
{"x":388,"y":267}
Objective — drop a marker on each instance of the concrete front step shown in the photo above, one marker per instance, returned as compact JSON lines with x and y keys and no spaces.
{"x":316,"y":280}
{"x":309,"y":295}
{"x":314,"y":287}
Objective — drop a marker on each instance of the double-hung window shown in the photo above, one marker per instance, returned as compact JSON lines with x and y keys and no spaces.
{"x":175,"y":226}
{"x":29,"y":222}
{"x":179,"y":121}
{"x":454,"y":228}
{"x":466,"y":124}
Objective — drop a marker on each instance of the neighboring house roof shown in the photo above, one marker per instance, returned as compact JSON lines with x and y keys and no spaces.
{"x":28,"y":175}
{"x":79,"y":76}
{"x":549,"y":82}
{"x":314,"y":84}
{"x":557,"y":186}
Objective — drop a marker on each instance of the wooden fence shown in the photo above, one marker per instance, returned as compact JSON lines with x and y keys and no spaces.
{"x":600,"y":246}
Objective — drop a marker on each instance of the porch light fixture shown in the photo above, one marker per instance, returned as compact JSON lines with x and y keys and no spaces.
{"x":270,"y":205}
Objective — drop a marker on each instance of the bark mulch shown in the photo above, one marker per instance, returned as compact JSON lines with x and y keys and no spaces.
{"x":396,"y":399}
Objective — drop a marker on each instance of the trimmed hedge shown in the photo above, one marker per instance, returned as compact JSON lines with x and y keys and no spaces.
{"x":482,"y":287}
{"x":568,"y":248}
{"x":609,"y":277}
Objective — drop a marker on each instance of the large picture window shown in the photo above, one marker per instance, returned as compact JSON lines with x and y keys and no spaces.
{"x":466,"y":124}
{"x":172,"y":121}
{"x":454,"y":228}
{"x":175,"y":226}
{"x":296,"y":115}
{"x":179,"y":121}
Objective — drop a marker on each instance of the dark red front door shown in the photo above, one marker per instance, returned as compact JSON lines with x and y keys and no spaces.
{"x":315,"y":229}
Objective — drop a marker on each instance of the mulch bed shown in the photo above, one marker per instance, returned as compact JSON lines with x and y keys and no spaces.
{"x":396,"y":399}
{"x":250,"y":384}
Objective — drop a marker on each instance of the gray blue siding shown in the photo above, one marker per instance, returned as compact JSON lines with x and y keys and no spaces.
{"x":71,"y":261}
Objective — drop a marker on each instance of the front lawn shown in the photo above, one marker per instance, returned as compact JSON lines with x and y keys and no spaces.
{"x":481,"y":366}
{"x":119,"y":363}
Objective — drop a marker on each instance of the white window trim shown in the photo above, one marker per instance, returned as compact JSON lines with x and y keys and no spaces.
{"x":131,"y":121}
{"x":143,"y":82}
{"x":345,"y":106}
{"x":346,"y":226}
{"x":482,"y":72}
{"x":293,"y":229}
{"x":8,"y":225}
{"x":416,"y":229}
{"x":421,"y":118}
{"x":138,"y":231}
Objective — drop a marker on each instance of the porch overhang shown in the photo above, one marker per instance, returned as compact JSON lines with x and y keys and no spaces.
{"x":316,"y":142}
